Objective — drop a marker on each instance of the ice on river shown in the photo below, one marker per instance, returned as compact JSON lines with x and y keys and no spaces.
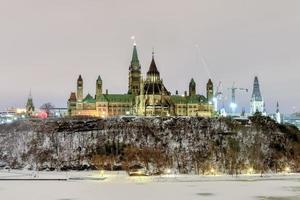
{"x":116,"y":186}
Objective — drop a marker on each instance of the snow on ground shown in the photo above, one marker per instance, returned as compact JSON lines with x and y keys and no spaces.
{"x":118,"y":186}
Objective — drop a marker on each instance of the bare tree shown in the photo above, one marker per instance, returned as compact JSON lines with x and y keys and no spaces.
{"x":47,"y":107}
{"x":233,"y":155}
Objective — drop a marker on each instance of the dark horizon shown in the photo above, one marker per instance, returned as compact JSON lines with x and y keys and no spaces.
{"x":46,"y":45}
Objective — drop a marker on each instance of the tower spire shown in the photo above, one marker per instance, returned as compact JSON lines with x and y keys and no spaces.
{"x":153,"y":69}
{"x":192,"y":87}
{"x":29,"y":105}
{"x":257,"y":103}
{"x":135,"y":63}
{"x":256,"y":95}
{"x":30,"y":95}
{"x":134,"y":77}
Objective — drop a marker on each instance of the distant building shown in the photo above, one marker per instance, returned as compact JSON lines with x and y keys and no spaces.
{"x":292,"y":119}
{"x":12,"y":114}
{"x":57,"y":112}
{"x":16,"y":111}
{"x":257,"y":103}
{"x":145,"y":97}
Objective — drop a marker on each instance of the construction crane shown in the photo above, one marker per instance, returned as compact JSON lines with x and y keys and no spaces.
{"x":233,"y":89}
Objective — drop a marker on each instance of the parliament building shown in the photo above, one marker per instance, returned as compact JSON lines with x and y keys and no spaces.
{"x":145,"y":97}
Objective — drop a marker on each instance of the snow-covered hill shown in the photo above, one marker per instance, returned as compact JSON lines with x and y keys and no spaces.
{"x":183,"y":144}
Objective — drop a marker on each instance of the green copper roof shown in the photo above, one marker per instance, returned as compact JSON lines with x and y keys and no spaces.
{"x":116,"y":98}
{"x":177,"y":99}
{"x":135,"y":60}
{"x":89,"y":99}
{"x":194,"y":99}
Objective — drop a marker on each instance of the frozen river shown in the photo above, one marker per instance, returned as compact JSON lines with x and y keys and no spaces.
{"x":120,"y":186}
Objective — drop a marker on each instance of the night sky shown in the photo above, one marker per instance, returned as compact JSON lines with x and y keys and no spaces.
{"x":46,"y":44}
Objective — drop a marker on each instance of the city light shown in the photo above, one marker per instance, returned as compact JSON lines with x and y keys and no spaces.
{"x":168,"y":171}
{"x":102,"y":173}
{"x":287,"y":169}
{"x":212,"y":171}
{"x":42,"y":115}
{"x":20,"y":110}
{"x":250,"y":170}
{"x":233,"y":107}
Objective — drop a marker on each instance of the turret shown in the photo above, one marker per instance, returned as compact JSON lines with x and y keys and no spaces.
{"x":72,"y":103}
{"x":277,"y":107}
{"x":134,"y":73}
{"x":98,"y":87}
{"x":278,"y":114}
{"x":79,"y":89}
{"x":192,"y":88}
{"x":209,"y":91}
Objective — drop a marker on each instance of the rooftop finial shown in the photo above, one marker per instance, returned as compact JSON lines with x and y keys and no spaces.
{"x":30,"y":95}
{"x":153,"y":52}
{"x":133,"y":38}
{"x":277,"y":107}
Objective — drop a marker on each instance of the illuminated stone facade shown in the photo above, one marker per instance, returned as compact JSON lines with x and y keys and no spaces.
{"x":145,"y":97}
